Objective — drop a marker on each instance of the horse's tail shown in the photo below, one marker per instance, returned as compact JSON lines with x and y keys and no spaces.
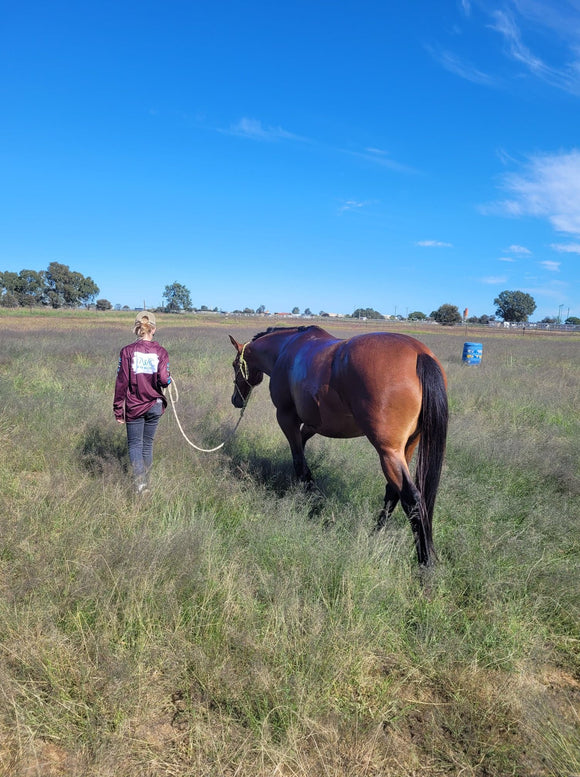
{"x":433,"y":429}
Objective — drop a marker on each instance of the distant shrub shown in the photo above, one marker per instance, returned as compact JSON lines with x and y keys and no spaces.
{"x":447,"y":315}
{"x":9,"y":301}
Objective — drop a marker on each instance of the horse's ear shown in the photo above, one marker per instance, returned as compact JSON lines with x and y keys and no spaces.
{"x":237,"y":346}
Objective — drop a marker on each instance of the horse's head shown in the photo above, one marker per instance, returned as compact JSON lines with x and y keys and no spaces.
{"x":246,"y":375}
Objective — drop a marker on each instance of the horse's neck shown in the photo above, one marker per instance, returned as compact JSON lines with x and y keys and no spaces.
{"x":265,"y":352}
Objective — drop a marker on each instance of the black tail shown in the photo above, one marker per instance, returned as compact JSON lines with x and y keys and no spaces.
{"x":433,"y":429}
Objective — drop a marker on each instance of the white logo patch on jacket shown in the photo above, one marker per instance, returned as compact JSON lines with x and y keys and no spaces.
{"x":145,"y":363}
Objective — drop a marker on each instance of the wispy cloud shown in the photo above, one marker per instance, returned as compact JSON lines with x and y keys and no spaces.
{"x":352,"y":205}
{"x":255,"y":130}
{"x":459,"y":67}
{"x":547,"y":187}
{"x":516,"y":23}
{"x":433,"y":244}
{"x":554,"y":290}
{"x":380,"y":158}
{"x":505,"y":24}
{"x":516,"y":249}
{"x":566,"y":248}
{"x":506,"y":259}
{"x":559,"y":22}
{"x":494,"y":280}
{"x":551,"y":266}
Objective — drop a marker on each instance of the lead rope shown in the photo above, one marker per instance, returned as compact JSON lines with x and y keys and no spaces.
{"x":172,"y":389}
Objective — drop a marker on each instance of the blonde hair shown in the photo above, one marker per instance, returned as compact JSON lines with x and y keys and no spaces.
{"x":144,"y":327}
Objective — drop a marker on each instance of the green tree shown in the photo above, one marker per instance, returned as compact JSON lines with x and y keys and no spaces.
{"x":30,"y":288}
{"x":103,"y":304}
{"x":65,"y":288}
{"x":261,"y":309}
{"x":8,"y":300}
{"x":8,"y":282}
{"x":514,"y":305}
{"x":295,"y":311}
{"x":367,"y":313}
{"x":178,"y":297}
{"x":307,"y":312}
{"x":447,"y":315}
{"x":485,"y":319}
{"x":574,"y":320}
{"x":417,"y":316}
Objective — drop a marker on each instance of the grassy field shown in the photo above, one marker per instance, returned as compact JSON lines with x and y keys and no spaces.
{"x":230,"y":625}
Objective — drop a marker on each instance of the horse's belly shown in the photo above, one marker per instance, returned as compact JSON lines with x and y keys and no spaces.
{"x":328,"y":416}
{"x":346,"y":427}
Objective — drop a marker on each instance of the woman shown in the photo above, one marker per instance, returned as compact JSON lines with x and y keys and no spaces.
{"x":139,"y":402}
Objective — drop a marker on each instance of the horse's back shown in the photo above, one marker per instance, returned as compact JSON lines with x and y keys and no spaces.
{"x":388,"y":342}
{"x":379,"y":356}
{"x":376,"y":374}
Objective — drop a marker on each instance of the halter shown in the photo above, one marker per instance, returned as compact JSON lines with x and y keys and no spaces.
{"x":245,"y":373}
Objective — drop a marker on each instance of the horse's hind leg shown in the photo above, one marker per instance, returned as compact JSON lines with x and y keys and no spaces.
{"x":414,"y":507}
{"x":400,"y":486}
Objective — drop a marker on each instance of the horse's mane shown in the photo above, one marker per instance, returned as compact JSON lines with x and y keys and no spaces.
{"x":271,"y":329}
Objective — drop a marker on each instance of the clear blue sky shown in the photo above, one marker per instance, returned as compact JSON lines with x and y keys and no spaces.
{"x":320,"y":154}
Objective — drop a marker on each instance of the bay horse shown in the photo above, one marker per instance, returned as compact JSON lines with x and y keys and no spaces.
{"x":388,"y":387}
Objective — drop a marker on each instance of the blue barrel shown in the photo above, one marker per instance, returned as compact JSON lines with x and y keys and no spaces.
{"x":472,"y":353}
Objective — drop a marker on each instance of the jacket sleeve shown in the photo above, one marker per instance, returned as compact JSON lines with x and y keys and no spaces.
{"x":164,"y":378}
{"x":121,"y":386}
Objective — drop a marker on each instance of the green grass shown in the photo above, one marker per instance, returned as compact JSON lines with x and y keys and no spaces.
{"x":232,"y":624}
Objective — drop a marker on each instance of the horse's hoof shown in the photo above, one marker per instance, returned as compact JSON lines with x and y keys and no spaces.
{"x":381,"y":522}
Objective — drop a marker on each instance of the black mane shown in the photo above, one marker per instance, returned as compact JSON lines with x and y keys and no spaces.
{"x":271,"y":329}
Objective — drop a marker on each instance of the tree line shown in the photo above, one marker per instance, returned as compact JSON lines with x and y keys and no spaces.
{"x":514,"y":306}
{"x":60,"y":287}
{"x":56,"y":287}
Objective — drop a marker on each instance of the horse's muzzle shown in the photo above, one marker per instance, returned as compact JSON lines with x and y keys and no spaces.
{"x":237,"y":399}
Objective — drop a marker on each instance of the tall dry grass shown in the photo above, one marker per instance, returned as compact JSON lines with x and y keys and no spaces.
{"x":232,"y":624}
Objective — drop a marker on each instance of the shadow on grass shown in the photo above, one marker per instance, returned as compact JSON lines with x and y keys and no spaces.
{"x":275,"y":473}
{"x":102,"y":451}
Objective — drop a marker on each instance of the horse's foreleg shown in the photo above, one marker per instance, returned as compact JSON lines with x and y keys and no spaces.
{"x":391,"y":501}
{"x":306,"y":432}
{"x":290,"y":424}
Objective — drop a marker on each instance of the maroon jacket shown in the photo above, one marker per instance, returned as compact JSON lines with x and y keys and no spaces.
{"x":143,"y":371}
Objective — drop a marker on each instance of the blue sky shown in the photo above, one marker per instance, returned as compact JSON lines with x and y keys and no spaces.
{"x":319,"y":154}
